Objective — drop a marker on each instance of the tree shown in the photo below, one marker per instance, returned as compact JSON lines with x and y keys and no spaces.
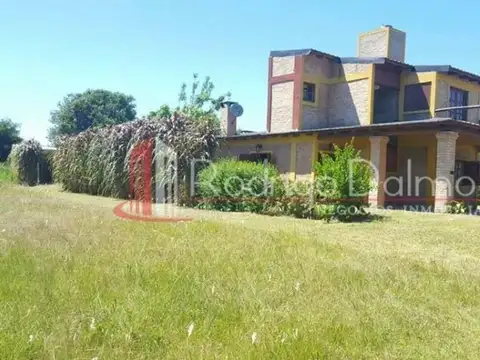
{"x":9,"y":135}
{"x":197,"y":103}
{"x":92,"y":108}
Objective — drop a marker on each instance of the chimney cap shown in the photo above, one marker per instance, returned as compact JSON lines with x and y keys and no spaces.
{"x":227,"y":103}
{"x":387,"y":26}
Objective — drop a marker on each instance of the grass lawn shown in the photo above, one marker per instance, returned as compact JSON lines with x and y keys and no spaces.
{"x":78,"y":283}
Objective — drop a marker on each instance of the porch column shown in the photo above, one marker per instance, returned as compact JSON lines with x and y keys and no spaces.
{"x":378,"y":160}
{"x":445,"y":167}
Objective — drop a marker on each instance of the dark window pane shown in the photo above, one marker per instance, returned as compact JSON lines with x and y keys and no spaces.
{"x":309,"y":92}
{"x":458,"y":97}
{"x":417,"y":97}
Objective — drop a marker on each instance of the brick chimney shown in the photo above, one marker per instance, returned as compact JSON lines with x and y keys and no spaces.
{"x":383,"y":42}
{"x":228,"y":122}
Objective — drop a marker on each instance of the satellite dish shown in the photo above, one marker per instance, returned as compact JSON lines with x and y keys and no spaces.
{"x":236,"y":109}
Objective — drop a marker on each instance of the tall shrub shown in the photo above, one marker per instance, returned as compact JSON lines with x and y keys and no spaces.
{"x":342,"y":181}
{"x":232,"y":185}
{"x":29,"y":163}
{"x":97,"y":161}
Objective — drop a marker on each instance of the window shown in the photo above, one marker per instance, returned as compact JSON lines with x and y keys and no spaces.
{"x":458,"y":97}
{"x":256,"y":157}
{"x":309,"y":92}
{"x":417,"y":97}
{"x":468,"y":169}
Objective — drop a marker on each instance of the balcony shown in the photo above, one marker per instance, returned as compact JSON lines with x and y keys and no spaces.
{"x":470,"y":113}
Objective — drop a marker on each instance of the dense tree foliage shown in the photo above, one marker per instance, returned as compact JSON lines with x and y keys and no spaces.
{"x":9,"y":135}
{"x":92,"y":108}
{"x":196,"y":102}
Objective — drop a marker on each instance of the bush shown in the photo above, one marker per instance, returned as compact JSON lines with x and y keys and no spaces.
{"x":231,"y":185}
{"x":457,"y":207}
{"x":343,"y":181}
{"x":98,"y":160}
{"x":6,"y":174}
{"x":29,"y":164}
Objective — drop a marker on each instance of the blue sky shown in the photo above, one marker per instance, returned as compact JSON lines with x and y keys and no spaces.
{"x":148,"y":48}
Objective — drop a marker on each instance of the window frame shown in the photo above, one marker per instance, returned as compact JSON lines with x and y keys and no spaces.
{"x":313,"y":93}
{"x":458,"y":97}
{"x":409,"y":104}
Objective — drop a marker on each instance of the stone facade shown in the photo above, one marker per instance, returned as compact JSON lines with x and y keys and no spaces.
{"x":228,"y":122}
{"x":444,"y":179}
{"x":339,"y":104}
{"x":349,"y":104}
{"x":353,"y":68}
{"x":443,"y":95}
{"x":373,"y":44}
{"x":283,"y":65}
{"x":473,"y":115}
{"x":385,"y":42}
{"x":314,"y":117}
{"x":397,"y":45}
{"x":282,"y":107}
{"x":318,"y":66}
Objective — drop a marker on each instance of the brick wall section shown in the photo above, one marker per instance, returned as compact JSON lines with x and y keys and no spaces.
{"x":280,"y":153}
{"x":353,"y":68}
{"x":314,"y":117}
{"x":318,"y":66}
{"x":473,"y":115}
{"x":303,"y":163}
{"x":228,"y":122}
{"x":373,"y":44}
{"x":397,"y":45}
{"x":444,"y":180}
{"x":283,"y":65}
{"x":385,"y":42}
{"x":443,"y":95}
{"x":443,"y":100}
{"x":348,"y":104}
{"x":282,"y":107}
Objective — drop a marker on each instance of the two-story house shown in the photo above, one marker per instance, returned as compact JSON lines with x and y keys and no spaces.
{"x":394,"y":112}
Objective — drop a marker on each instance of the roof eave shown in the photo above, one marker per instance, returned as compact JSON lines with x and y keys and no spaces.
{"x":440,"y":124}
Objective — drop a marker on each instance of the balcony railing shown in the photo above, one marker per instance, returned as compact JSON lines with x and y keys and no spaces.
{"x":470,"y":113}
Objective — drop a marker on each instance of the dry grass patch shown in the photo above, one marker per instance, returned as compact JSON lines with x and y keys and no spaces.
{"x":78,"y":283}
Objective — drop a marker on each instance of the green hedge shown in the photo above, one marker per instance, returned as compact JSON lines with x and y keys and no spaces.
{"x":230,"y":185}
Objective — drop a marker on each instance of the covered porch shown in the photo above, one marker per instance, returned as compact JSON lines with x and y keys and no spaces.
{"x":424,"y":163}
{"x":419,"y":165}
